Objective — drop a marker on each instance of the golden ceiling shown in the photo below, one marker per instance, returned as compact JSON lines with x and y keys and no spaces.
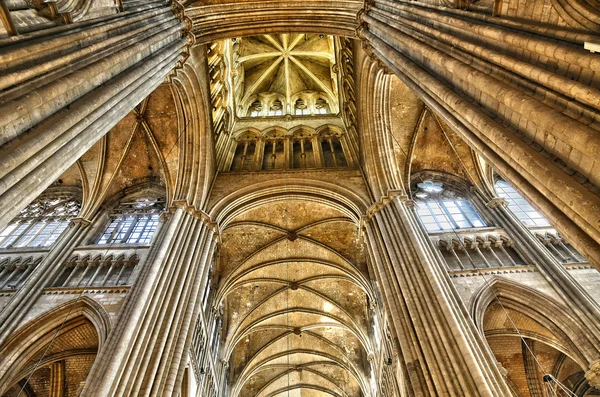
{"x":295,"y":294}
{"x":285,"y":67}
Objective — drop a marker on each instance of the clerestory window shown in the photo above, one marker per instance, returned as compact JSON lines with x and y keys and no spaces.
{"x":276,"y":108}
{"x":40,"y":224}
{"x":519,"y":206}
{"x":440,"y":209}
{"x":321,"y":106}
{"x":300,"y":108}
{"x":255,"y":109}
{"x":133,"y":222}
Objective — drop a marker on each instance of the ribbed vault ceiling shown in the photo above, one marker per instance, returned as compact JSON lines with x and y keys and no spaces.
{"x":286,"y":65}
{"x":295,"y":297}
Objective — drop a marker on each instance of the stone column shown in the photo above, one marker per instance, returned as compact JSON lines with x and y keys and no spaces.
{"x":57,"y":379}
{"x":63,"y":88}
{"x":147,"y":351}
{"x":510,"y":91}
{"x":442,"y":352}
{"x":43,"y":275}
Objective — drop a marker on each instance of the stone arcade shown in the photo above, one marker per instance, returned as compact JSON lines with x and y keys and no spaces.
{"x":318,"y":198}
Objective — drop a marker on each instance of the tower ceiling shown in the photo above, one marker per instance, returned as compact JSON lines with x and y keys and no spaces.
{"x":285,"y":66}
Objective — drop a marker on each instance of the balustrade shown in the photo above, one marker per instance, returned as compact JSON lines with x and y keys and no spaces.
{"x":100,"y":267}
{"x":477,"y":249}
{"x":557,"y":246}
{"x":15,"y":268}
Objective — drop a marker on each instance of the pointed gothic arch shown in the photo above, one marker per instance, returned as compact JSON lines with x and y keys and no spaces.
{"x":574,"y":336}
{"x":34,"y":345}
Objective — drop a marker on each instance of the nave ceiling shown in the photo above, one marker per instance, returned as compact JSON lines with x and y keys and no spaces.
{"x":295,"y":295}
{"x":292,"y":277}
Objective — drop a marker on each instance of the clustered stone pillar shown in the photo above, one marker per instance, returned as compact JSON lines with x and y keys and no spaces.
{"x":63,"y":88}
{"x":531,"y":107}
{"x":146,"y":353}
{"x":441,"y":351}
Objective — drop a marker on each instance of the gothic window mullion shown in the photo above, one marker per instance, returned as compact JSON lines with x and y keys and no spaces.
{"x":134,"y":222}
{"x":115,"y":231}
{"x":50,"y":233}
{"x":433,"y":214}
{"x":448,"y":215}
{"x":22,"y":234}
{"x":147,"y":221}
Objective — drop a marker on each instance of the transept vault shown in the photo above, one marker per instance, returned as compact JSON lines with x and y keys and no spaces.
{"x":263,"y":199}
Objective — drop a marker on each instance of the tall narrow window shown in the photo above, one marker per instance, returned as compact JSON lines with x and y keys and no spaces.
{"x":333,"y":154}
{"x":440,"y":209}
{"x":243,"y":159}
{"x":300,"y":108}
{"x":255,"y":109}
{"x":276,"y":108}
{"x":321,"y":106}
{"x":40,"y":224}
{"x":133,"y":222}
{"x":519,"y":206}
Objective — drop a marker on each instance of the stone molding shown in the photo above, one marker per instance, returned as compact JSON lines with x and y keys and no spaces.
{"x":593,"y":374}
{"x":196,"y":213}
{"x":497,"y":202}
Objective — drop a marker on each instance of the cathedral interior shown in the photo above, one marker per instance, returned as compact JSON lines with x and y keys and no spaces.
{"x":239,"y":198}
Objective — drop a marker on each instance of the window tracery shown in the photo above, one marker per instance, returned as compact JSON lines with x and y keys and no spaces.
{"x":321,"y":106}
{"x":301,"y":108}
{"x":133,"y":222}
{"x":443,"y":209}
{"x":40,"y":224}
{"x":276,"y":108}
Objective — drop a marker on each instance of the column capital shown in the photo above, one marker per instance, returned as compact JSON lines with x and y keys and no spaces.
{"x":382,"y":203}
{"x":497,"y":202}
{"x":593,"y":374}
{"x":195,"y":212}
{"x":179,"y":11}
{"x":79,"y":221}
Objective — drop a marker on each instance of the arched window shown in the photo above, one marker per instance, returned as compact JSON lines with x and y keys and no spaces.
{"x":442,"y":209}
{"x":519,"y":206}
{"x":321,"y":106}
{"x":300,"y":108}
{"x":40,"y":224}
{"x":276,"y":108}
{"x":255,"y":109}
{"x":133,"y":222}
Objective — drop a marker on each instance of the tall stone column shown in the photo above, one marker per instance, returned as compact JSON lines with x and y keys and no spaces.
{"x":41,"y":277}
{"x":63,"y":88}
{"x":524,"y":97}
{"x":442,"y":352}
{"x":146,"y":353}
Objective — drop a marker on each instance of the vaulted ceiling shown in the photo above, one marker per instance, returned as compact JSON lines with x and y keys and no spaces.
{"x":284,"y":66}
{"x":295,"y":294}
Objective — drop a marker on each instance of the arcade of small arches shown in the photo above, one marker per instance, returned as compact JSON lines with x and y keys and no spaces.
{"x":268,"y":200}
{"x":299,"y":148}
